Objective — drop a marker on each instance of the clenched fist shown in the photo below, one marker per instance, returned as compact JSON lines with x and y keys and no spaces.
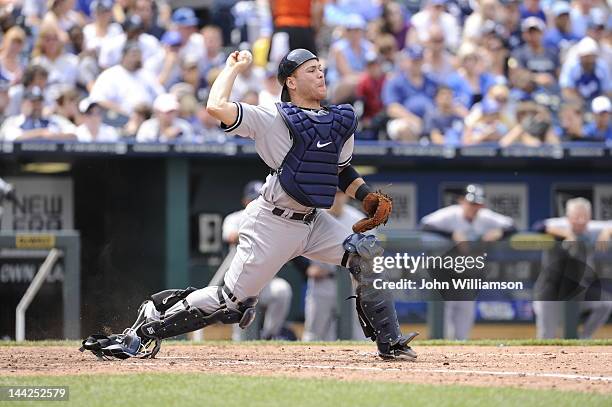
{"x":239,"y":60}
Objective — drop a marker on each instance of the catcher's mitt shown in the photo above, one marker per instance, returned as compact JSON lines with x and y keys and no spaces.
{"x":378,"y":206}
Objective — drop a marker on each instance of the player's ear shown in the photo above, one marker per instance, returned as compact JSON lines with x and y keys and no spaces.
{"x":290,"y":82}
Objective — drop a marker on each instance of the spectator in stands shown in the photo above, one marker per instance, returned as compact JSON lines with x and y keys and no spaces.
{"x":438,"y":63}
{"x":11,"y":62}
{"x":487,"y":10}
{"x":165,"y":126}
{"x":188,"y":105}
{"x":166,"y":64}
{"x":76,"y":40}
{"x":510,"y":19}
{"x":213,"y":43}
{"x":407,"y":96}
{"x":49,"y":52}
{"x":347,"y":59}
{"x":191,"y":42}
{"x":88,"y":69}
{"x":561,"y":35}
{"x":524,"y":88}
{"x":147,"y":11}
{"x":434,"y":14}
{"x":600,"y":128}
{"x":534,"y":127}
{"x":531,"y":8}
{"x":394,"y":22}
{"x":62,"y":12}
{"x":588,"y":76}
{"x":124,"y":86}
{"x":369,"y":91}
{"x":91,"y":128}
{"x":597,"y":29}
{"x":33,"y":76}
{"x":471,"y":82}
{"x":133,"y":32}
{"x":34,"y":11}
{"x":31,"y":123}
{"x":387,"y":50}
{"x":295,"y":24}
{"x":571,"y":124}
{"x":494,"y":52}
{"x":66,"y":110}
{"x":140,"y":114}
{"x":488,"y":128}
{"x":580,"y":16}
{"x":192,"y":75}
{"x":444,"y":124}
{"x":102,"y":27}
{"x":533,"y":56}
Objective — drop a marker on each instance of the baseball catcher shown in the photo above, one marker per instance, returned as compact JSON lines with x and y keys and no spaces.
{"x":308,"y":148}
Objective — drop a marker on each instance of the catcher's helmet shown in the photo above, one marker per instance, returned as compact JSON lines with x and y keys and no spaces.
{"x":289,"y":64}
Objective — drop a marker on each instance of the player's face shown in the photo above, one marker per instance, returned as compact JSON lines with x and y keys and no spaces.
{"x":470,"y":210}
{"x":310,"y":81}
{"x":578,"y":219}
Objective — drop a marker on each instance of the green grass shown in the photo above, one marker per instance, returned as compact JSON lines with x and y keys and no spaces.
{"x":207,"y":390}
{"x":417,"y":342}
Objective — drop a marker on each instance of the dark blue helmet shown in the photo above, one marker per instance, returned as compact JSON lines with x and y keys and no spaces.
{"x":289,"y":64}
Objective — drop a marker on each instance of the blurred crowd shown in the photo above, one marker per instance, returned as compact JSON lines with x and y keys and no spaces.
{"x":455,"y":72}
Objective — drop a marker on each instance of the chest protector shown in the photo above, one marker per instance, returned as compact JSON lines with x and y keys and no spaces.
{"x":309,"y":172}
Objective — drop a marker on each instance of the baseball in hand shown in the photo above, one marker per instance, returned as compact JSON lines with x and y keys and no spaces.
{"x":245,"y":56}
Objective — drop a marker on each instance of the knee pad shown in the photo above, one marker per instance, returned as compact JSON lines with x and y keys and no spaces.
{"x":360,"y":251}
{"x":191,"y":319}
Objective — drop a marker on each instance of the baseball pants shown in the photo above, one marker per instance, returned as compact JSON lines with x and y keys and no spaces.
{"x":266,"y":243}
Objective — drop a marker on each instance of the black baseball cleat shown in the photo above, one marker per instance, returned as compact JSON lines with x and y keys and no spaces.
{"x":132,"y":343}
{"x":398,"y":351}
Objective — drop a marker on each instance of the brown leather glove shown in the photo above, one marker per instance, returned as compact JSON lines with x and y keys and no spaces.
{"x":378,"y":206}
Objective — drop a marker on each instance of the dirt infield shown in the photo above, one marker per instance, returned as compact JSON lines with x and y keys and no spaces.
{"x":577,"y":368}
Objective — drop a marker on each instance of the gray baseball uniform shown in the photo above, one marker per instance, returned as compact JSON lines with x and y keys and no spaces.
{"x":459,"y":316}
{"x":274,"y":299}
{"x":549,"y":314}
{"x":321,"y":302}
{"x":267,"y":241}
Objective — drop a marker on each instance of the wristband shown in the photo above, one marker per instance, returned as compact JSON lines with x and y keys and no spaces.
{"x":362,"y":192}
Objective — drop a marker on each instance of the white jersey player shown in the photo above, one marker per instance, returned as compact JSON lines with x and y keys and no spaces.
{"x":577,"y":226}
{"x":467,"y":221}
{"x":308,"y":148}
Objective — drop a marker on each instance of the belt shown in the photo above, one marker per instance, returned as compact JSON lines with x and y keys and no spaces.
{"x":307,"y":217}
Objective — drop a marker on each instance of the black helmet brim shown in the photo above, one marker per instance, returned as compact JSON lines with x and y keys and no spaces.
{"x":291,"y":62}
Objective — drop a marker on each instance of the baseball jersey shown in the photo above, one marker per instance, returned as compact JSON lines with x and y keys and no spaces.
{"x":267,"y":128}
{"x":451,"y":219}
{"x":591,"y":233}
